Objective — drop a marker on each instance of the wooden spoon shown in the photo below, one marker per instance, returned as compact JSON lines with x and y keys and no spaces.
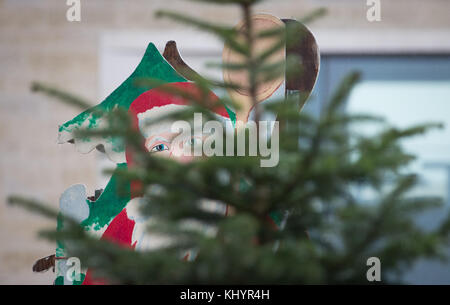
{"x":173,"y":57}
{"x":304,"y":79}
{"x":241,"y":96}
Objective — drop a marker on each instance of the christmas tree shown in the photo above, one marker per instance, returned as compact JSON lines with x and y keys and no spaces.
{"x":227,"y":219}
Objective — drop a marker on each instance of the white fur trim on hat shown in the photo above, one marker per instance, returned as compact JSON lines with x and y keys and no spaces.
{"x":146,"y":119}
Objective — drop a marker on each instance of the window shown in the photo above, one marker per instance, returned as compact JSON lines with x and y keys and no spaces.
{"x":406,"y":90}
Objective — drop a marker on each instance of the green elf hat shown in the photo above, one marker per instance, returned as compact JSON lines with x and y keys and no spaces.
{"x":153,"y":66}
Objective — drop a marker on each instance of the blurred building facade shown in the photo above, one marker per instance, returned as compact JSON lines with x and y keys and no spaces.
{"x":37,"y":43}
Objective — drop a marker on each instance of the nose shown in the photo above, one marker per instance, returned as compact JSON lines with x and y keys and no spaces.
{"x":176,"y":149}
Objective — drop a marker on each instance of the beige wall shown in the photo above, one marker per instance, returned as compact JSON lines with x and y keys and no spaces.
{"x":37,"y":43}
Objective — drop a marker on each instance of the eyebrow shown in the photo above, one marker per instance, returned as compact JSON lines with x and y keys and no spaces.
{"x":164,"y":139}
{"x":156,"y":139}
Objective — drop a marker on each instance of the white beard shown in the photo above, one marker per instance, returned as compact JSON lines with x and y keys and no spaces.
{"x":148,"y":241}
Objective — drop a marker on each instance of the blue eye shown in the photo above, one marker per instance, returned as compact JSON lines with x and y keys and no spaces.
{"x":159,"y":147}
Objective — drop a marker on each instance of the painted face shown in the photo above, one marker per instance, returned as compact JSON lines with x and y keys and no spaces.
{"x":172,"y":145}
{"x":150,"y":111}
